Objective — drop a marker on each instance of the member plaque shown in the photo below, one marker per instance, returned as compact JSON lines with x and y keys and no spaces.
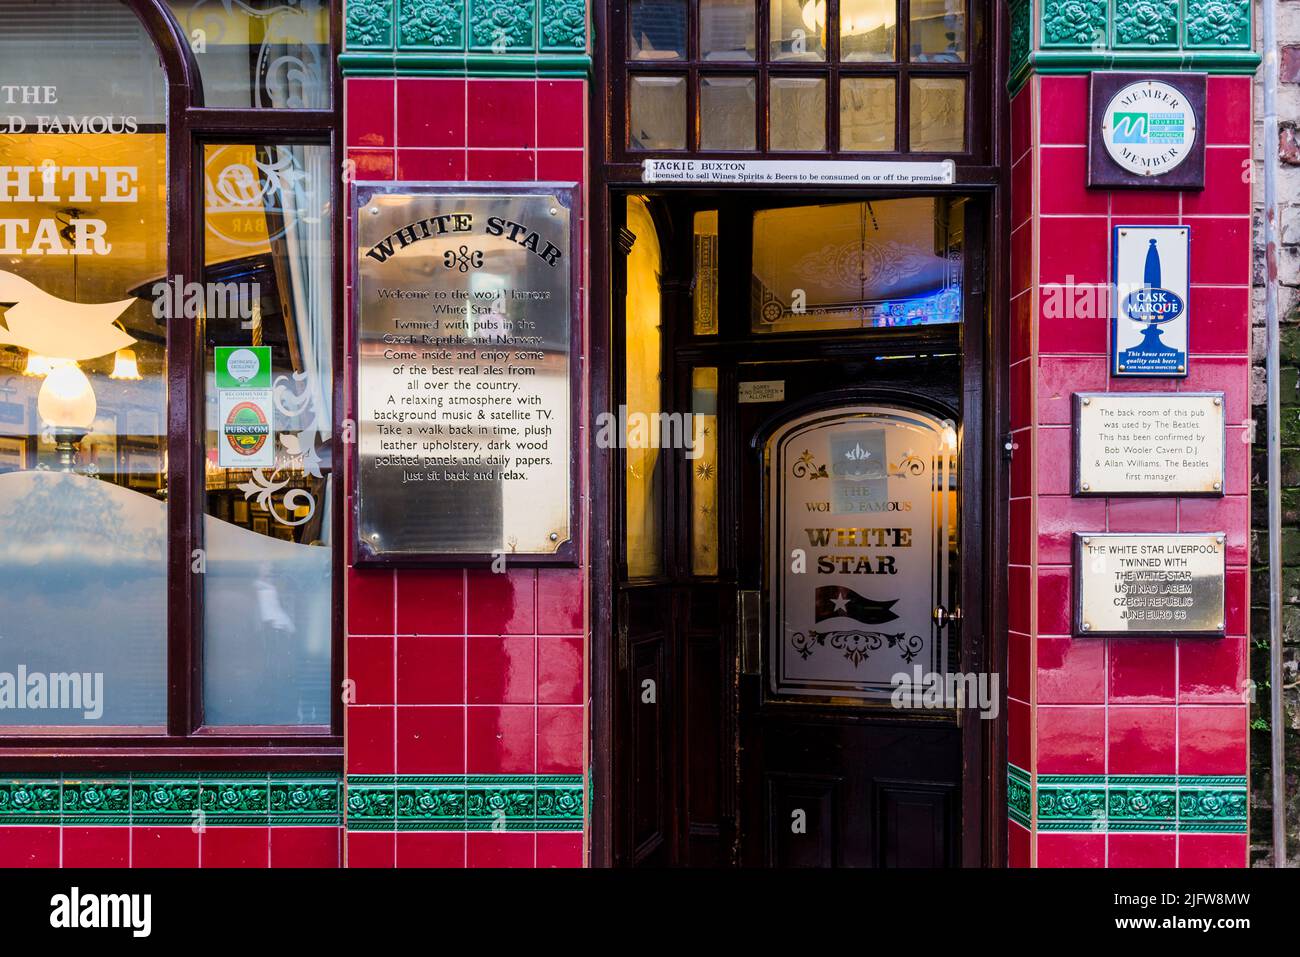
{"x":1148,"y":584}
{"x":1148,"y":443}
{"x":466,"y":384}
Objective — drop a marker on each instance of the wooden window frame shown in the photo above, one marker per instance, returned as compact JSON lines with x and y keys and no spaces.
{"x":186,"y":743}
{"x":975,"y":70}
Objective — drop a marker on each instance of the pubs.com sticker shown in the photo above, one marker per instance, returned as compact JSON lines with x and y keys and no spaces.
{"x":246,"y":433}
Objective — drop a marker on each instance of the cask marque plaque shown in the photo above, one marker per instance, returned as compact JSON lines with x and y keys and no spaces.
{"x":466,"y":381}
{"x":1144,"y":585}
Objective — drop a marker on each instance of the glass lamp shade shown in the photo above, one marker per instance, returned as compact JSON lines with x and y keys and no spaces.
{"x":125,"y":366}
{"x":66,"y":400}
{"x":37,"y":365}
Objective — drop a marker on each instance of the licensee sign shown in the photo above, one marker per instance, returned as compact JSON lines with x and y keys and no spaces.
{"x":466,"y":386}
{"x":1149,"y":302}
{"x":1148,"y":443}
{"x":1148,"y":584}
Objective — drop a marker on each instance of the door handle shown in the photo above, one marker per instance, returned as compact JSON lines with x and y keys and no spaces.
{"x":943,"y":617}
{"x":749,"y":628}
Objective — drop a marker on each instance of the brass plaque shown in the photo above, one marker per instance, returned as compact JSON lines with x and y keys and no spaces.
{"x":1148,"y":443}
{"x":1148,"y":584}
{"x":466,"y":386}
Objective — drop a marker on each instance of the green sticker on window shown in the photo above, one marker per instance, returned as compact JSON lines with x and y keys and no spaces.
{"x":243,"y":367}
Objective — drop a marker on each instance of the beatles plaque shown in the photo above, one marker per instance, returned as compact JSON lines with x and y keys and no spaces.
{"x":466,"y":384}
{"x":1148,"y":584}
{"x":1148,"y":443}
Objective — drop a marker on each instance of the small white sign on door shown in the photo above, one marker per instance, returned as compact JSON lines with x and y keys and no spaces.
{"x":768,"y":390}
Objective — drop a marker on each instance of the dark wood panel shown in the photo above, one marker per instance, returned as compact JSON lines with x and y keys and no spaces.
{"x":916,"y":825}
{"x":804,"y":814}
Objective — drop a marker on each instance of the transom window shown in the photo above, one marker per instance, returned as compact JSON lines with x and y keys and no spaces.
{"x":851,"y":77}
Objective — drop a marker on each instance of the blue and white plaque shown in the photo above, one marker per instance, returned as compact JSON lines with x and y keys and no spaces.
{"x":1149,"y":309}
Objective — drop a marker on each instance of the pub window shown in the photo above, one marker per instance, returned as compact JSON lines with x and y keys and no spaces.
{"x":167,"y":532}
{"x":838,"y":77}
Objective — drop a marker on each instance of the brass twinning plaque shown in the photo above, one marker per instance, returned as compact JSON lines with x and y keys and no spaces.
{"x":1148,"y":584}
{"x":1148,"y":443}
{"x":466,"y":390}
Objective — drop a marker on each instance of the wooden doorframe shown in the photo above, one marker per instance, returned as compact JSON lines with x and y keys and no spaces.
{"x":984,"y":747}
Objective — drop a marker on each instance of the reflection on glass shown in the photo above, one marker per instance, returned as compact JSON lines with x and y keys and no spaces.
{"x":657,"y":113}
{"x":797,"y":30}
{"x":867,"y":113}
{"x":937,"y":122}
{"x":643,"y":469}
{"x":798,"y":114}
{"x":263,"y":53}
{"x":867,"y":30}
{"x":884,"y":263}
{"x":727,"y":112}
{"x":267,"y":606}
{"x":938,"y":31}
{"x":657,"y":30}
{"x":704,"y":295}
{"x":703,"y":463}
{"x":727,"y":30}
{"x":83,"y":375}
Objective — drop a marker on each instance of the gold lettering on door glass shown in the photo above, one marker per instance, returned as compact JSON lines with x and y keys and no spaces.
{"x":861,"y":550}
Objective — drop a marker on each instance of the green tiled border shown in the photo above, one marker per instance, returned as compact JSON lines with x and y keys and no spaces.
{"x":1121,"y":803}
{"x":458,"y":802}
{"x":215,"y":799}
{"x":1077,"y":36}
{"x":479,"y":37}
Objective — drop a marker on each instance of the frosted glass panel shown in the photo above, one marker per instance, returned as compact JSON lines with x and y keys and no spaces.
{"x":867,"y":113}
{"x":657,"y":30}
{"x":727,"y":30}
{"x":867,"y":30}
{"x":727,"y":112}
{"x":798,"y":114}
{"x":797,"y":30}
{"x":938,"y":115}
{"x":938,"y":31}
{"x":644,"y":464}
{"x":657,"y":113}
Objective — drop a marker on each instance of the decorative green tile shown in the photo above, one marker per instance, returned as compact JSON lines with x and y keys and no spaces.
{"x":30,"y":801}
{"x":1141,"y":803}
{"x":1149,"y":24}
{"x":1019,"y":790}
{"x":1073,"y":803}
{"x":431,"y":804}
{"x":98,"y":801}
{"x":236,"y":800}
{"x":302,"y":801}
{"x":1074,"y":23}
{"x":431,"y":25}
{"x":164,"y":800}
{"x":1022,"y":16}
{"x":368,"y":24}
{"x":1209,"y":804}
{"x":563,"y":25}
{"x":372,"y":804}
{"x":503,"y":26}
{"x":1218,"y":24}
{"x":476,"y":802}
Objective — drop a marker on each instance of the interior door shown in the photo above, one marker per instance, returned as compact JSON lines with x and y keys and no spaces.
{"x":850,"y":545}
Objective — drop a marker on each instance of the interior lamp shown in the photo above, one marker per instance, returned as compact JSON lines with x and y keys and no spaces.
{"x":67,"y":404}
{"x":125,"y":365}
{"x":37,"y":365}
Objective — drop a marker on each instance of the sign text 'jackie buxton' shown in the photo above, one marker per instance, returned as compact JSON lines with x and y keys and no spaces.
{"x":436,"y":226}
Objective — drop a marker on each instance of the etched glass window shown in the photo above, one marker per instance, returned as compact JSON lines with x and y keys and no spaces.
{"x":877,"y":264}
{"x":870,"y":495}
{"x":83,"y":368}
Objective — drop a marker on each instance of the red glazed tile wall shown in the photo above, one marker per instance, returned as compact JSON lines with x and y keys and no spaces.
{"x":463,"y":671}
{"x":35,"y":845}
{"x":1120,"y":706}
